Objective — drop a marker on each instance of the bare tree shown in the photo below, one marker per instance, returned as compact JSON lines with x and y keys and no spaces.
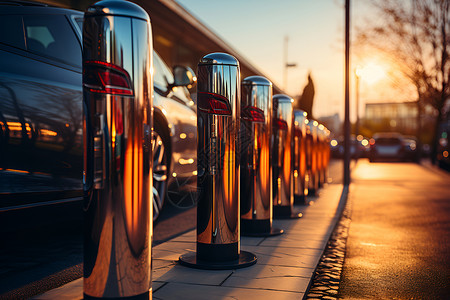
{"x":415,"y":35}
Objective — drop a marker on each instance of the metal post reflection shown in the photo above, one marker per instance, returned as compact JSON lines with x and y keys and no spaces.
{"x":312,"y":145}
{"x":117,"y":62}
{"x":300,"y":188}
{"x":282,"y":163}
{"x":256,"y":176}
{"x":218,"y":121}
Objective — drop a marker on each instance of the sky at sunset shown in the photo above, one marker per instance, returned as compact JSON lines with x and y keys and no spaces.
{"x":257,"y":30}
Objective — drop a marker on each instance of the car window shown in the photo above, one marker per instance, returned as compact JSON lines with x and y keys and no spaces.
{"x":52,"y":36}
{"x":12,"y":31}
{"x":162,"y":76}
{"x":79,"y":22}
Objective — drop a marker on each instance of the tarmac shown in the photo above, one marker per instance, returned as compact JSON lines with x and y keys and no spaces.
{"x":284,"y":270}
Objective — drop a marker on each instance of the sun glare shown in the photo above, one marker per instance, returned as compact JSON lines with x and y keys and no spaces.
{"x":371,"y":72}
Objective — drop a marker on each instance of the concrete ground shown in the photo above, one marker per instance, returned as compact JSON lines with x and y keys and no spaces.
{"x":285,"y":266}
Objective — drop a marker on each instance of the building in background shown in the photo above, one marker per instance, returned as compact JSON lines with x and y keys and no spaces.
{"x":178,"y":37}
{"x":400,"y":117}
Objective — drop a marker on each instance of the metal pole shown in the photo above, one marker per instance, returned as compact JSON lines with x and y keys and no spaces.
{"x":347,"y":98}
{"x":418,"y":132}
{"x":282,"y":164}
{"x":218,"y":183}
{"x":357,"y":105}
{"x":256,"y":158}
{"x":117,"y":101}
{"x":285,"y":62}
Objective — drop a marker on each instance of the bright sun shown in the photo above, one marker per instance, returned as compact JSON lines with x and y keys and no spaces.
{"x":371,"y":72}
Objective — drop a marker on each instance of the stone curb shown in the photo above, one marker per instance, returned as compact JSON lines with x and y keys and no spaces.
{"x":325,"y":281}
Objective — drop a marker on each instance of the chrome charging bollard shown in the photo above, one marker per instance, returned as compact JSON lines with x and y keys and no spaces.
{"x":256,"y":157}
{"x":321,"y":154}
{"x":282,"y":162}
{"x":325,"y":153}
{"x":117,"y":178}
{"x":308,"y":149}
{"x":218,"y":153}
{"x":313,"y":184}
{"x":300,"y":189}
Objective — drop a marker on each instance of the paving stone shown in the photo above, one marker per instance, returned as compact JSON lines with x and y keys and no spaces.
{"x":181,"y":274}
{"x":281,"y":257}
{"x":294,"y":244}
{"x":287,"y":251}
{"x":203,"y":292}
{"x":251,"y":241}
{"x":156,"y":285}
{"x":71,"y":291}
{"x":189,"y":237}
{"x":272,"y":278}
{"x":179,"y":247}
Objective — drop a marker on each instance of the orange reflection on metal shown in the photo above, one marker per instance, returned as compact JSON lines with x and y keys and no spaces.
{"x":302,"y":163}
{"x":279,"y":189}
{"x":17,"y":126}
{"x":18,"y":171}
{"x":287,"y":162}
{"x":128,"y":185}
{"x":133,"y":180}
{"x":48,"y":132}
{"x":228,"y":175}
{"x":264,"y":170}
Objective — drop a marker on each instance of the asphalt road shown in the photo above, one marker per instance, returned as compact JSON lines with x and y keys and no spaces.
{"x":399,"y":238}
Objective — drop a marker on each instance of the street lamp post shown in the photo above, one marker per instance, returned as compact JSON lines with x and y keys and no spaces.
{"x":357,"y":77}
{"x":347,"y":97}
{"x":286,"y":65}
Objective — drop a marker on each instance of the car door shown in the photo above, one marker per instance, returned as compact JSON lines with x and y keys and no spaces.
{"x":40,"y":107}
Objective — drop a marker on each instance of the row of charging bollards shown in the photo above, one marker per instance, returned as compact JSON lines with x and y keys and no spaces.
{"x":252,"y":162}
{"x":255,"y":156}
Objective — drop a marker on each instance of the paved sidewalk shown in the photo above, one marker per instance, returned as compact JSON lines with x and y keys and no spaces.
{"x":285,"y":266}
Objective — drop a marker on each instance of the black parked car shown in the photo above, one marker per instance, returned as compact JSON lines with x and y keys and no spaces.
{"x":41,"y":113}
{"x":387,"y":146}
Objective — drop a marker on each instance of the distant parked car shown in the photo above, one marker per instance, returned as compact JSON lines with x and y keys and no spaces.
{"x":387,"y":146}
{"x":41,"y":150}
